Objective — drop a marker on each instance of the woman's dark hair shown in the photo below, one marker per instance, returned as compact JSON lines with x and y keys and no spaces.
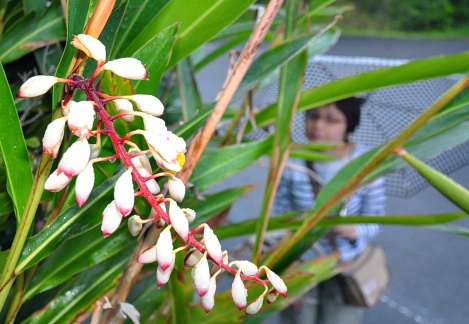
{"x":351,"y":108}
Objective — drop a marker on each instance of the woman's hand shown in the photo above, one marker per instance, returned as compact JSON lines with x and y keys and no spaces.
{"x":349,"y":232}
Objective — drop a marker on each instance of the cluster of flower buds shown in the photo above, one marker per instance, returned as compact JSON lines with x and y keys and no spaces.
{"x":167,"y":149}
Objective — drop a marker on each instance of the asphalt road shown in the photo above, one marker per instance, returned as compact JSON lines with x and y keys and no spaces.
{"x":429,"y":268}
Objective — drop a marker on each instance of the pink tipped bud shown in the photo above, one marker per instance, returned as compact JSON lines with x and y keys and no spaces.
{"x":178,"y":220}
{"x":124,"y":106}
{"x":36,"y":86}
{"x":189,"y":213}
{"x":248,"y":268}
{"x":84,"y":184}
{"x":53,"y":137}
{"x":148,"y":255}
{"x":192,"y":257}
{"x":164,"y":245}
{"x":177,"y":142}
{"x":208,"y":300}
{"x":162,"y":151}
{"x":255,"y":306}
{"x":272,"y":295}
{"x":143,"y":166}
{"x":154,"y":124}
{"x":239,"y":292}
{"x":148,"y":104}
{"x":135,"y":225}
{"x":212,"y":245}
{"x":111,"y":219}
{"x":177,"y":188}
{"x":91,"y":46}
{"x":75,"y":158}
{"x":162,"y":276}
{"x":56,"y":182}
{"x":124,"y":193}
{"x":201,"y":276}
{"x":276,"y":282}
{"x":80,"y":118}
{"x":127,"y":67}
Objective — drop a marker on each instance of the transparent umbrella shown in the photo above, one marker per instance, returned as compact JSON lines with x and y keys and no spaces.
{"x":385,"y":113}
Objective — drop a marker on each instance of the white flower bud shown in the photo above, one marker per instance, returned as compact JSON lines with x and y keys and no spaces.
{"x":135,"y":226}
{"x":164,"y":246}
{"x":148,"y":104}
{"x":272,"y":295}
{"x":75,"y":158}
{"x":201,"y":276}
{"x":91,"y":46}
{"x":248,"y":268}
{"x":276,"y":282}
{"x":128,"y":68}
{"x":178,"y":220}
{"x":53,"y":137}
{"x":177,"y":142}
{"x":239,"y":292}
{"x":94,"y":151}
{"x":192,"y":257}
{"x":208,"y":300}
{"x":56,"y":182}
{"x":189,"y":213}
{"x":162,"y":276}
{"x":148,"y":255}
{"x":84,"y":184}
{"x":36,"y":86}
{"x":111,"y":219}
{"x":154,"y":124}
{"x":143,"y":166}
{"x":80,"y":118}
{"x":255,"y":306}
{"x":177,"y":188}
{"x":124,"y":193}
{"x":212,"y":245}
{"x":124,"y":106}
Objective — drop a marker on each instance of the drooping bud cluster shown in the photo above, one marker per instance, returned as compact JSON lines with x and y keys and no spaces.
{"x":167,"y":149}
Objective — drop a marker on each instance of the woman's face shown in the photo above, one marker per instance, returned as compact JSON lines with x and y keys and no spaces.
{"x":326,"y":123}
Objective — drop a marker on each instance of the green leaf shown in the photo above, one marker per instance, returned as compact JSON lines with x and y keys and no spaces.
{"x":200,"y":21}
{"x":219,"y":165}
{"x":77,"y":255}
{"x":6,"y":206}
{"x":311,"y":155}
{"x":137,"y":16}
{"x":177,"y":293}
{"x":67,"y":225}
{"x":368,"y":81}
{"x":188,"y":91}
{"x":83,"y":291}
{"x":13,"y":149}
{"x":155,"y":54}
{"x":34,"y":5}
{"x":451,"y":229}
{"x":31,"y":32}
{"x":270,"y":60}
{"x":216,"y":203}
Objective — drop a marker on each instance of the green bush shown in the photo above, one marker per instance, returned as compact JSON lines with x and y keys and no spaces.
{"x":417,"y":15}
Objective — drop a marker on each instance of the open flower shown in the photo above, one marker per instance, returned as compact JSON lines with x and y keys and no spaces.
{"x":80,"y":118}
{"x":91,"y":46}
{"x":163,"y":152}
{"x":128,"y":67}
{"x":53,"y":137}
{"x":154,"y":124}
{"x":111,"y":219}
{"x":124,"y":193}
{"x":177,"y":142}
{"x":36,"y":86}
{"x":75,"y":158}
{"x":84,"y":184}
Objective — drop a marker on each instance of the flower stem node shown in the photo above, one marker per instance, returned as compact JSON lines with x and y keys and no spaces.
{"x":75,"y":158}
{"x":36,"y":86}
{"x":53,"y":137}
{"x":84,"y":184}
{"x":112,"y":218}
{"x":128,"y":68}
{"x":91,"y":46}
{"x":124,"y":193}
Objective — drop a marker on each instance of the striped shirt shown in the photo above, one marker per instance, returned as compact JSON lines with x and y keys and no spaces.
{"x":295,"y":193}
